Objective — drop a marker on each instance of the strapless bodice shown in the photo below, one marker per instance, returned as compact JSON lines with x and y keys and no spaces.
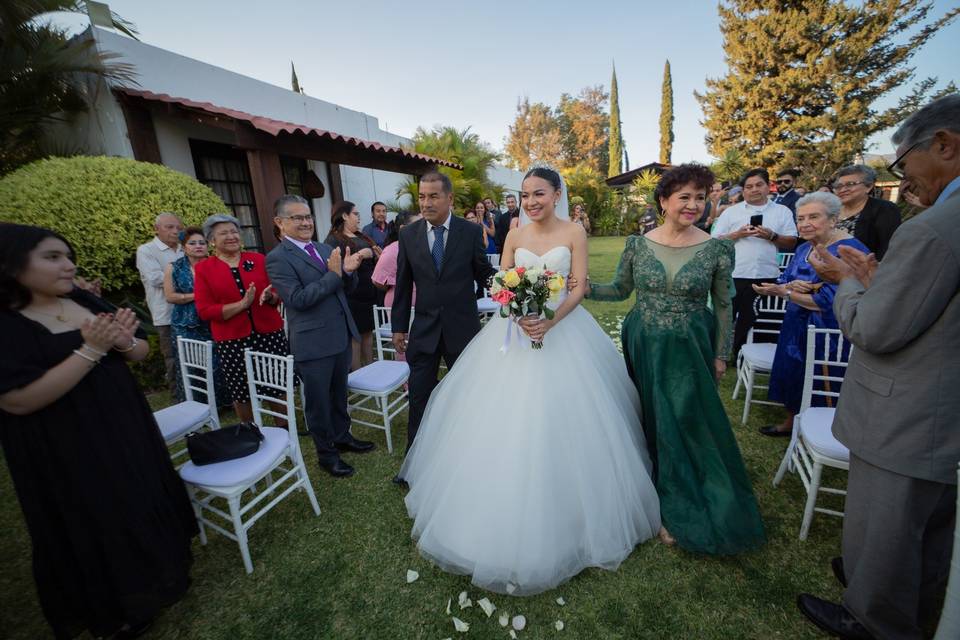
{"x":556,"y":259}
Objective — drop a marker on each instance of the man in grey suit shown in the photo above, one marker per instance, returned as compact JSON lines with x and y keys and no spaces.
{"x":311,"y":279}
{"x":899,"y":408}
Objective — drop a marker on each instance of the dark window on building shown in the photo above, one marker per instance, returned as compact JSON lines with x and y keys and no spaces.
{"x":225,"y":170}
{"x":294,"y":176}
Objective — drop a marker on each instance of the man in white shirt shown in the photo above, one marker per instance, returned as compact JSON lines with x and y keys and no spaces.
{"x":152,"y":258}
{"x":756,"y":245}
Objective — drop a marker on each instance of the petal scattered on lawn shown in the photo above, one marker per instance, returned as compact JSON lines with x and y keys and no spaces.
{"x":511,"y":588}
{"x":449,"y":602}
{"x":464,"y":601}
{"x":561,"y":601}
{"x":504,"y":619}
{"x":460,"y":625}
{"x":487,"y":606}
{"x":513,"y":634}
{"x":519,"y":622}
{"x":412,"y":576}
{"x":558,"y":625}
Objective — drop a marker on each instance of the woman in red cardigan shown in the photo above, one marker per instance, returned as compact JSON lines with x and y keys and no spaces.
{"x":233,"y":293}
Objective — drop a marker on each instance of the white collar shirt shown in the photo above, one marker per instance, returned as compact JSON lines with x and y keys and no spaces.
{"x":446,"y":234}
{"x":756,"y":258}
{"x":152,"y":258}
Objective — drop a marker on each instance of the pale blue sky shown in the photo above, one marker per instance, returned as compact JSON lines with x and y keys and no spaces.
{"x":466,"y":64}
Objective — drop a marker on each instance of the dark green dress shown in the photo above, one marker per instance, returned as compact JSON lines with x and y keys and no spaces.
{"x":670,"y":340}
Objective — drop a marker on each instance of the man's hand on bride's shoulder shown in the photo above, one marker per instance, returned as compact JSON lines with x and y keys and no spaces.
{"x":572,"y":282}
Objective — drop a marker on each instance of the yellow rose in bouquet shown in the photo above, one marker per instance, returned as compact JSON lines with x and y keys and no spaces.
{"x":511,"y":278}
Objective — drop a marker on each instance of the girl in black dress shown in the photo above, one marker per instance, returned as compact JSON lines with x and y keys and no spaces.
{"x":345,"y":232}
{"x":108,"y":517}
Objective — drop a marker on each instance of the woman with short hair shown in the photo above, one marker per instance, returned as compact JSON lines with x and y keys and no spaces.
{"x":870,"y":220}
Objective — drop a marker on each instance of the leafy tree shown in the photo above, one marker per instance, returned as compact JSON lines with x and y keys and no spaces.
{"x":615,"y":167}
{"x":466,"y":149}
{"x":45,"y":75}
{"x":731,"y":166}
{"x":584,"y":127}
{"x":534,"y":135}
{"x":644,"y":185}
{"x":666,"y":116}
{"x":804,"y":78}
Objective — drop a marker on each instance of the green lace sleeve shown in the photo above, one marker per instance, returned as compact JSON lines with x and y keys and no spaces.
{"x":622,"y":285}
{"x":721,"y":293}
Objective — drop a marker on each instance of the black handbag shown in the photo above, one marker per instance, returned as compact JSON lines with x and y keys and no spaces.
{"x":228,"y":443}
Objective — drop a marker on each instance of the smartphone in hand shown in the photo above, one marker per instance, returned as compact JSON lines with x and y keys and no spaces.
{"x":756,"y":220}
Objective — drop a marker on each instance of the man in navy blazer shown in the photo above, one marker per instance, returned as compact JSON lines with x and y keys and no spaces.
{"x":312,"y":279}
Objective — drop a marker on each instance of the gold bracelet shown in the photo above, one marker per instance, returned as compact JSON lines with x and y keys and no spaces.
{"x":85,"y":356}
{"x":133,"y":343}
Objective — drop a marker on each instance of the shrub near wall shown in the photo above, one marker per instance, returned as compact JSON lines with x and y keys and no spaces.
{"x":104,"y":206}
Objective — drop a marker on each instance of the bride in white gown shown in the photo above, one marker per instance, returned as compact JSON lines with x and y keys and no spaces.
{"x":531,"y":465}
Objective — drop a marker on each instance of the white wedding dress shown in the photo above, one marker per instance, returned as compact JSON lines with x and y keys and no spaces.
{"x":531,"y":465}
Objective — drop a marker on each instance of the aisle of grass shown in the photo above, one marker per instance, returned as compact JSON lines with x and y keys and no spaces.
{"x":342,"y":575}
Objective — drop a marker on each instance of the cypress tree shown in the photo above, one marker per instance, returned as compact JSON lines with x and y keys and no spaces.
{"x":666,"y":116}
{"x":615,"y":166}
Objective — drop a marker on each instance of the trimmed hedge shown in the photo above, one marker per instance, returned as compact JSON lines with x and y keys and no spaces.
{"x":104,"y":206}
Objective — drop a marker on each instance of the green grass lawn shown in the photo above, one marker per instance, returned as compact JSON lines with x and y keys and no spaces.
{"x":342,"y":575}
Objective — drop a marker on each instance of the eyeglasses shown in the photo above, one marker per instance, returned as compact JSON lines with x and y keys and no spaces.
{"x":787,"y":181}
{"x":300,"y":219}
{"x":895,"y":167}
{"x":840,"y":186}
{"x":197,"y":243}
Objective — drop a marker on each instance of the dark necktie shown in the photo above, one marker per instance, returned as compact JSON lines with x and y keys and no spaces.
{"x":438,"y":247}
{"x":312,"y":250}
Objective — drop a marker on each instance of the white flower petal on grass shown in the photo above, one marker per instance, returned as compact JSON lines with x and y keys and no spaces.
{"x":460,"y":625}
{"x":449,"y":602}
{"x":504,"y":619}
{"x":487,"y":606}
{"x":519,"y":622}
{"x":513,"y":634}
{"x":464,"y":601}
{"x":558,"y":625}
{"x":412,"y":576}
{"x":511,"y":588}
{"x":561,"y":601}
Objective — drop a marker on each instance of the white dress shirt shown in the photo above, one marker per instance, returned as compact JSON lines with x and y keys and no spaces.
{"x":446,"y":234}
{"x":152,"y":258}
{"x":756,"y":258}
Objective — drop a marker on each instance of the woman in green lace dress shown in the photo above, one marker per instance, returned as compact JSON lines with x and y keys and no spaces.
{"x":676,"y":348}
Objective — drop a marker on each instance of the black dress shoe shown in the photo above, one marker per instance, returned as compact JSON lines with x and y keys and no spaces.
{"x":355,"y":446}
{"x":831,"y":618}
{"x":837,"y":565}
{"x":400,"y":482}
{"x":772,"y":431}
{"x":338,"y":469}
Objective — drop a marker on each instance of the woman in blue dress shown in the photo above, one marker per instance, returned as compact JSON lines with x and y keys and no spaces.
{"x":184,"y":321}
{"x":809,"y":302}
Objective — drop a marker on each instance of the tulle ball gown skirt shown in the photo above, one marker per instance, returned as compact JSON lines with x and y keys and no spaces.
{"x":531,"y":465}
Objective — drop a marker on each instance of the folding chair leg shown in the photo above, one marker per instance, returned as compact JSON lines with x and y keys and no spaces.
{"x":748,"y":396}
{"x":784,"y":464}
{"x":197,"y":511}
{"x":739,"y":370}
{"x":240,"y":532}
{"x":302,"y":472}
{"x":812,"y":492}
{"x":385,"y":413}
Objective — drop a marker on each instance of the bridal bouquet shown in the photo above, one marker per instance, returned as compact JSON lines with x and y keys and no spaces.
{"x":521,"y":292}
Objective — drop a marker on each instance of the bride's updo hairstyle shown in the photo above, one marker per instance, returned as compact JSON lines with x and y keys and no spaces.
{"x":678,"y":177}
{"x":545,"y":173}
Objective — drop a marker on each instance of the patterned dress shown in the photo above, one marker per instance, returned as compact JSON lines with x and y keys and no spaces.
{"x":187,"y":324}
{"x":670,"y":340}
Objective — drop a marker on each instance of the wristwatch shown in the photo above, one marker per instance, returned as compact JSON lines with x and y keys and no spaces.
{"x":773,"y":236}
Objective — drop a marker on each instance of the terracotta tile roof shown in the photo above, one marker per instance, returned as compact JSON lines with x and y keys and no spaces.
{"x":276,"y":127}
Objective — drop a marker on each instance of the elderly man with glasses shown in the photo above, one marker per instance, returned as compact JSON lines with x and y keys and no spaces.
{"x":870,"y":220}
{"x":899,"y":410}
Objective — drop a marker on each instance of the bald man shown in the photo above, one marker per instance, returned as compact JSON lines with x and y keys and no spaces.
{"x":152,"y":259}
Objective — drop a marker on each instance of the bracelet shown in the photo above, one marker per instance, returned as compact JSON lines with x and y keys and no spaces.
{"x":133,"y":343}
{"x":86,"y":357}
{"x":92,"y":350}
{"x":774,"y":235}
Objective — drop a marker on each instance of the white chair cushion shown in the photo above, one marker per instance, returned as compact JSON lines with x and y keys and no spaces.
{"x":815,"y":429}
{"x":486,"y":305}
{"x":242,"y":470}
{"x":181,"y":418}
{"x":759,"y":354}
{"x":386,"y":331}
{"x":379,"y":376}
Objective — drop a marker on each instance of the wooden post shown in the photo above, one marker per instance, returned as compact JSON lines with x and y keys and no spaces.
{"x":267,"y":179}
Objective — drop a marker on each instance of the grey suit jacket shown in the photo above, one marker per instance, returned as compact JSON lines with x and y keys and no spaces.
{"x":899,"y":407}
{"x":319,"y":322}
